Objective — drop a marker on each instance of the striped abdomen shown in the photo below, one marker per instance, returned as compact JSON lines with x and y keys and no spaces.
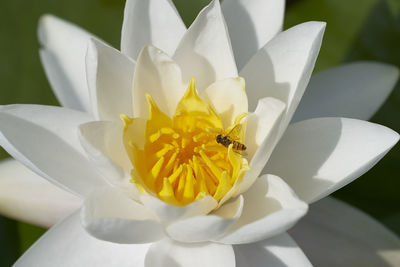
{"x":238,"y":146}
{"x":226,"y":141}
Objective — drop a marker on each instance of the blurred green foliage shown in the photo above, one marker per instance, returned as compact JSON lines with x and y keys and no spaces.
{"x":344,"y":21}
{"x":378,"y":190}
{"x":357,"y":30}
{"x":9,"y":242}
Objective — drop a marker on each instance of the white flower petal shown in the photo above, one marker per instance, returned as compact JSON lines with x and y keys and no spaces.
{"x":110,"y":215}
{"x":205,"y":50}
{"x":251,"y":24}
{"x":229,"y":99}
{"x":336,"y":234}
{"x":270,"y":208}
{"x":63,"y":58}
{"x":354,"y":90}
{"x":45,"y":139}
{"x":150,"y":22}
{"x":318,"y":156}
{"x":283,"y":67}
{"x":206,"y":227}
{"x":168,"y":213}
{"x":102,"y":141}
{"x":278,"y":251}
{"x":173,"y":254}
{"x":28,"y":197}
{"x":67,"y":244}
{"x":261,"y":137}
{"x":159,"y":76}
{"x":109,"y":78}
{"x":94,"y":139}
{"x":105,"y":137}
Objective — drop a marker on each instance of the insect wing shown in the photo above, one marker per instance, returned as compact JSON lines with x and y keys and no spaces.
{"x":236,"y":133}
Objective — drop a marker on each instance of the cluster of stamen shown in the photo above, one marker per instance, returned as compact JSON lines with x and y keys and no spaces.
{"x":180,"y":160}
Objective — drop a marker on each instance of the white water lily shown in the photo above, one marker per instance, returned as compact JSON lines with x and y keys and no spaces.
{"x":86,"y":152}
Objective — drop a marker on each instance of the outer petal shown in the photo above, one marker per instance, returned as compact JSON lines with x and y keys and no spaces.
{"x":207,"y":227}
{"x":355,"y":90}
{"x":278,"y":251}
{"x":28,"y":197}
{"x":270,"y":208}
{"x":45,"y":139}
{"x":63,"y":58}
{"x":151,"y":22}
{"x":319,"y":156}
{"x":336,"y":234}
{"x":111,"y":216}
{"x":252,"y":23}
{"x":282,"y":68}
{"x":205,"y":50}
{"x":168,"y":213}
{"x":229,"y":99}
{"x":261,"y":137}
{"x":159,"y":76}
{"x":67,"y":244}
{"x":173,"y":254}
{"x":109,"y":78}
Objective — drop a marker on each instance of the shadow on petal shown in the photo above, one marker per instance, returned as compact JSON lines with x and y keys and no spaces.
{"x":279,"y":251}
{"x":293,"y":149}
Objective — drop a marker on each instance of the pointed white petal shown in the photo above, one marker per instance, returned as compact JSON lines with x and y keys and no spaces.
{"x":251,"y":24}
{"x":27,"y":197}
{"x":109,"y":78}
{"x":283,"y":67}
{"x":159,"y":76}
{"x":150,"y":22}
{"x":270,"y":208}
{"x":168,"y":213}
{"x":318,"y":156}
{"x":207,"y":227}
{"x":110,"y":215}
{"x":45,"y":139}
{"x":173,"y":254}
{"x":102,"y":141}
{"x":63,"y":58}
{"x":67,"y":244}
{"x":95,"y":140}
{"x":336,"y":234}
{"x":261,"y":137}
{"x":228,"y":98}
{"x":205,"y":50}
{"x":105,"y":137}
{"x":354,"y":90}
{"x":278,"y":251}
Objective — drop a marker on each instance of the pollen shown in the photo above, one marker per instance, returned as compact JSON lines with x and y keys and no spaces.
{"x":179,"y":160}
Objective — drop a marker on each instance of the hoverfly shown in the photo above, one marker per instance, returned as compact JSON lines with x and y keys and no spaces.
{"x":232,"y":137}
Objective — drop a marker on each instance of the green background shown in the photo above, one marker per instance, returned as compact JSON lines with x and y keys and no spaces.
{"x":357,"y":30}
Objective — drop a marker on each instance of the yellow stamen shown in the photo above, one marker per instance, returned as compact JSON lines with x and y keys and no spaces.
{"x":178,"y":158}
{"x":223,"y":186}
{"x":181,"y":185}
{"x":174,"y":176}
{"x":188,"y":193}
{"x":167,"y":192}
{"x":157,"y":168}
{"x":214,"y":168}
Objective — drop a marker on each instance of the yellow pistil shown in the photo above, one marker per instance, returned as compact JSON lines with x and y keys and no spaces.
{"x":179,"y":159}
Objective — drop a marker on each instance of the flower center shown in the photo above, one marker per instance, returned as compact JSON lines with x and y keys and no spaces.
{"x":181,"y":159}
